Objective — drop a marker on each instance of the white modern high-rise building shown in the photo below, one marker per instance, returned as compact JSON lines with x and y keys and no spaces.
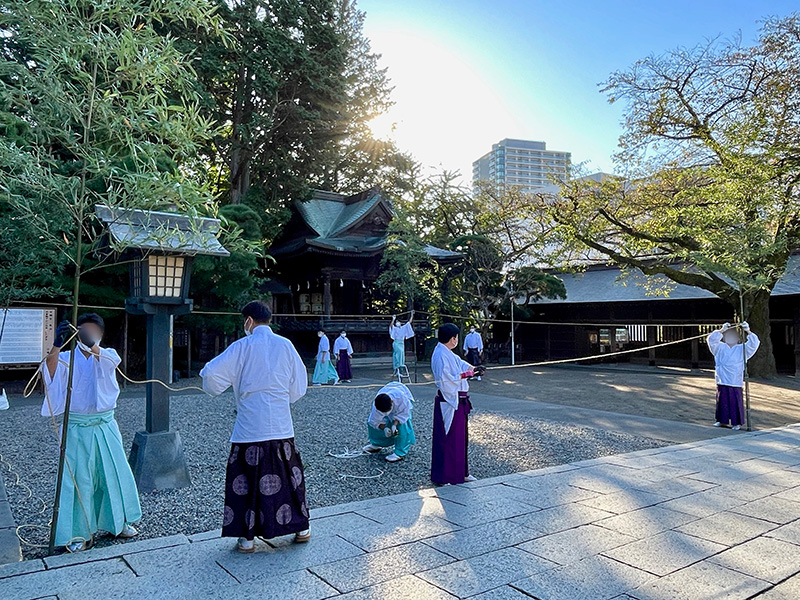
{"x":524,"y":163}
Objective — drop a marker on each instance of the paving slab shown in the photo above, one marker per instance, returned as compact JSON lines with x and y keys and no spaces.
{"x":114,"y":550}
{"x":366,"y":570}
{"x":385,"y":536}
{"x":560,"y":518}
{"x":284,"y":556}
{"x":473,"y":541}
{"x":788,"y":533}
{"x":788,"y":590}
{"x":409,"y":587}
{"x":702,"y":581}
{"x":479,"y":574}
{"x":664,"y":553}
{"x":703,"y":504}
{"x":505,"y":592}
{"x":596,"y":578}
{"x":65,"y":580}
{"x":646,"y":522}
{"x":728,"y":528}
{"x":575,"y":544}
{"x":772,"y":508}
{"x":767,"y":558}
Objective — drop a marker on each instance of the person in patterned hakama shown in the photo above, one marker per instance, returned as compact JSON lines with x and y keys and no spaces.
{"x":451,"y":407}
{"x":726,"y":346}
{"x":473,"y":348}
{"x":324,"y":371}
{"x":399,"y":334}
{"x":343,"y":350}
{"x":265,"y":492}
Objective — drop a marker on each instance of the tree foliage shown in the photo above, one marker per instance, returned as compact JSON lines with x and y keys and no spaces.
{"x":101,"y":106}
{"x":709,"y":171}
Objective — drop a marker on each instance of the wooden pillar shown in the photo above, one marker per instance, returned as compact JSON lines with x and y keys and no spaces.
{"x":651,"y":341}
{"x":693,"y":331}
{"x":547,"y":343}
{"x":797,"y":342}
{"x":327,"y":299}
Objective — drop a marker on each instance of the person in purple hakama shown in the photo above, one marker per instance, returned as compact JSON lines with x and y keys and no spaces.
{"x":343,"y":351}
{"x":726,"y":346}
{"x":451,"y":407}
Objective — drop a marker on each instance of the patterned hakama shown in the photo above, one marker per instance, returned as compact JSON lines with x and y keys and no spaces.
{"x":449,"y":454}
{"x":343,"y":366}
{"x":730,"y":405}
{"x":265,"y":490}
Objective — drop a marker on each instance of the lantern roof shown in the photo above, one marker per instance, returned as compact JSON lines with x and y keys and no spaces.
{"x":150,"y":230}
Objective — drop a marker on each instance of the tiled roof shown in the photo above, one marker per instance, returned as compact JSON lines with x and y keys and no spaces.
{"x":167,"y":232}
{"x":606,"y":284}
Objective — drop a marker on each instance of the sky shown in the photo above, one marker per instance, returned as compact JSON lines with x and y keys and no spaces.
{"x":468,"y":73}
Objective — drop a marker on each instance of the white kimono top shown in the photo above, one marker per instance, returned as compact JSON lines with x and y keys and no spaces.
{"x":402,"y":402}
{"x":401,"y":332}
{"x":324,"y":349}
{"x":94,"y":383}
{"x":447,"y":368}
{"x":729,"y":360}
{"x":267,"y":376}
{"x":473,"y":340}
{"x":342,"y":343}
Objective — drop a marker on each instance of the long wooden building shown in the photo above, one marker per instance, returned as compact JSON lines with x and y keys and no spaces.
{"x":604,"y":311}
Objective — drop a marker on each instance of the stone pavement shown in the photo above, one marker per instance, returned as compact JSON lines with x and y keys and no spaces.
{"x":712,"y":519}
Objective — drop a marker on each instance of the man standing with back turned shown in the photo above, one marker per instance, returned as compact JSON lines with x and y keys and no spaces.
{"x":265,"y":492}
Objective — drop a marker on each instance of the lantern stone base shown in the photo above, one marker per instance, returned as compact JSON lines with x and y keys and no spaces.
{"x":157,"y":461}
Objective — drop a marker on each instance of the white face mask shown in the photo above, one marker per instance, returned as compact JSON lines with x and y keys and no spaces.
{"x":343,"y":334}
{"x":472,"y":330}
{"x":320,"y":334}
{"x":246,"y":330}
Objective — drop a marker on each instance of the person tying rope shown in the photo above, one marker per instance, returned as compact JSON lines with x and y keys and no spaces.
{"x":729,"y":363}
{"x":100,"y":494}
{"x":389,"y":423}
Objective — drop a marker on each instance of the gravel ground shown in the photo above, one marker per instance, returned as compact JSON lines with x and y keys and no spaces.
{"x":327,"y":419}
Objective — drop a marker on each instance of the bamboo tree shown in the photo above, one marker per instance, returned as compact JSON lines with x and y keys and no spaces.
{"x":111,"y":117}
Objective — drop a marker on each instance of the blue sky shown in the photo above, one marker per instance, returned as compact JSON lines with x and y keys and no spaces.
{"x":468,"y":73}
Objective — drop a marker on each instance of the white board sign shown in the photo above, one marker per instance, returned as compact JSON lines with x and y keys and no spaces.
{"x":26,"y":335}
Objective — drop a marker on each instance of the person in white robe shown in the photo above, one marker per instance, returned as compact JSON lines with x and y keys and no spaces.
{"x":324,"y":371}
{"x":265,"y":494}
{"x":451,"y":408}
{"x":399,"y":334}
{"x":473,"y":348}
{"x":389,"y":422}
{"x":98,"y":491}
{"x":729,"y":356}
{"x":343,"y":352}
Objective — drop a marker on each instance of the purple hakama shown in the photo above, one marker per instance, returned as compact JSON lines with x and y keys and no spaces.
{"x":449,"y":456}
{"x":343,"y":366}
{"x":730,"y":405}
{"x":265,"y":490}
{"x":473,"y":356}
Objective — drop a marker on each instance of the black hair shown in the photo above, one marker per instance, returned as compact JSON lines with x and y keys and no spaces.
{"x":447,"y":332}
{"x":383,"y":402}
{"x":92,"y":318}
{"x":258,"y":311}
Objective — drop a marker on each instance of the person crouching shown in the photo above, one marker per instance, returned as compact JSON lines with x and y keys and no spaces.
{"x":389,"y":422}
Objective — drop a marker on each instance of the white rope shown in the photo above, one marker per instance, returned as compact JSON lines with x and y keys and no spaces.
{"x":344,"y":476}
{"x":349,"y":453}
